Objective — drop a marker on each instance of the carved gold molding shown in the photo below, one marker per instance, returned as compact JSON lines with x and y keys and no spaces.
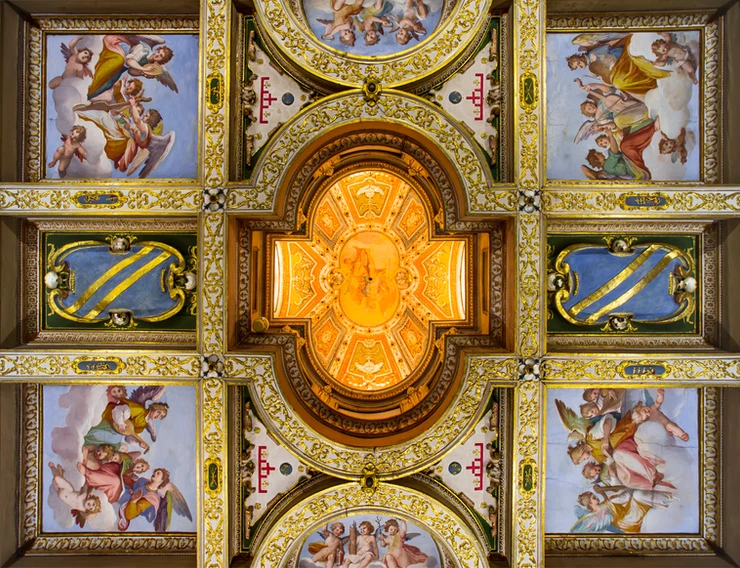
{"x":213,"y":550}
{"x":30,"y":367}
{"x":213,"y":275}
{"x":283,"y":540}
{"x":216,"y":65}
{"x":99,"y":199}
{"x":426,"y":121}
{"x":648,"y":368}
{"x":391,"y":462}
{"x":713,"y":201}
{"x":283,"y":23}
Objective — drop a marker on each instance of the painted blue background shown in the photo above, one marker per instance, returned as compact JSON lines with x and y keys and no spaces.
{"x":179,"y":110}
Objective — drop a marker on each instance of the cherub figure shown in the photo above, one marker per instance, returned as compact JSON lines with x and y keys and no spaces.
{"x":131,"y":474}
{"x":77,"y":63}
{"x":600,"y":402}
{"x":72,"y":146}
{"x":667,"y":49}
{"x":114,"y":393}
{"x":105,"y":469}
{"x":82,"y":503}
{"x":129,"y":417}
{"x":607,"y":56}
{"x":608,"y":109}
{"x":642,"y":413}
{"x":343,"y":21}
{"x":374,"y":18}
{"x":410,"y":25}
{"x":621,"y":513}
{"x":367,"y":548}
{"x":676,"y":147}
{"x":601,"y":473}
{"x":400,"y":554}
{"x":331,"y":550}
{"x":144,"y":56}
{"x":623,"y":160}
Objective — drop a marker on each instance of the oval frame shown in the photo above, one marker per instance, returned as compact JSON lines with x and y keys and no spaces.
{"x":287,"y":33}
{"x":286,"y":537}
{"x":388,"y":462}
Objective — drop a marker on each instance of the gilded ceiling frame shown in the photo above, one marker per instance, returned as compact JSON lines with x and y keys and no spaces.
{"x":461,"y":547}
{"x":528,"y":369}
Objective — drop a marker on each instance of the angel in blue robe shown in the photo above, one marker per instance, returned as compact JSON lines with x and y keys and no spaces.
{"x":154,"y":499}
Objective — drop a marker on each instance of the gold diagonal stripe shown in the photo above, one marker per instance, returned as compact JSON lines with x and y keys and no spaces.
{"x":636,"y":289}
{"x":628,"y":271}
{"x":107,"y":275}
{"x":113,"y":294}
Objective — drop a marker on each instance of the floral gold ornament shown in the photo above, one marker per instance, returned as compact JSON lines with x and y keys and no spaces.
{"x":529,"y":200}
{"x":394,"y":47}
{"x":213,"y":366}
{"x":372,"y":90}
{"x":214,"y":199}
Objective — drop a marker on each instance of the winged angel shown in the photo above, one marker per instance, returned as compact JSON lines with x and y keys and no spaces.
{"x":154,"y":499}
{"x":133,"y":134}
{"x":628,"y":476}
{"x":126,"y":418}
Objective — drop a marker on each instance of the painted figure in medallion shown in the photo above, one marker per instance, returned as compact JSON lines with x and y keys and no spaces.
{"x":387,"y":26}
{"x":367,"y":548}
{"x":400,"y":554}
{"x":332,"y":549}
{"x":372,"y":542}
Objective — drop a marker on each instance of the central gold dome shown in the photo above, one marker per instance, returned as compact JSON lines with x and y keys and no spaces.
{"x":369,"y":265}
{"x":370,"y":279}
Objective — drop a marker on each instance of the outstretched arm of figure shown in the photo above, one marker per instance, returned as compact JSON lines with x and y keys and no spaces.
{"x":613,"y":145}
{"x":402,"y":528}
{"x":141,"y":126}
{"x":595,"y":89}
{"x":422,"y":9}
{"x":659,"y":399}
{"x":73,"y":44}
{"x":608,"y":426}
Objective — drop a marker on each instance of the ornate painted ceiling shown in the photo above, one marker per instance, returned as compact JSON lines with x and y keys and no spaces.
{"x":370,"y":280}
{"x":370,"y":284}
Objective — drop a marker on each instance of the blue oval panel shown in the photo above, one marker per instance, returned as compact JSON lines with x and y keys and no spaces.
{"x":136,"y":280}
{"x":637,"y":283}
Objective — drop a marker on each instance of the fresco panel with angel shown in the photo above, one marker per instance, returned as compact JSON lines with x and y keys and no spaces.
{"x":119,"y":458}
{"x":623,"y":106}
{"x":622,"y":460}
{"x":123,"y":105}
